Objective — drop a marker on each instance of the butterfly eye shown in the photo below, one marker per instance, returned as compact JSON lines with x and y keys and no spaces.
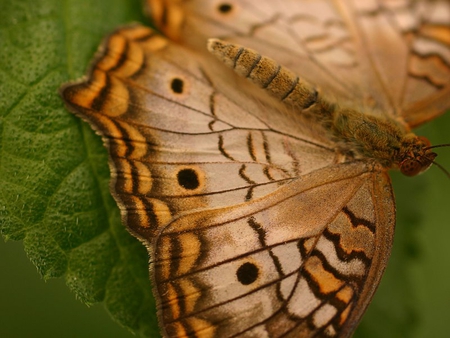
{"x":413,"y":167}
{"x":247,"y":273}
{"x":410,"y":167}
{"x":225,"y":8}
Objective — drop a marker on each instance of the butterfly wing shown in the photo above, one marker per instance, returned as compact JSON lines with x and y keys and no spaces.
{"x":389,"y":57}
{"x":302,"y":262}
{"x":210,"y":185}
{"x":174,"y":137}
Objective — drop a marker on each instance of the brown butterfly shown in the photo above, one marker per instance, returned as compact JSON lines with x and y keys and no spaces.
{"x":266,"y":207}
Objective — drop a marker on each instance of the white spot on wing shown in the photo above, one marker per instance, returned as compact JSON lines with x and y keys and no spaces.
{"x":289,"y":257}
{"x":352,"y":267}
{"x":330,"y":331}
{"x":259,"y":331}
{"x":287,"y":285}
{"x":323,"y":315}
{"x":303,"y":301}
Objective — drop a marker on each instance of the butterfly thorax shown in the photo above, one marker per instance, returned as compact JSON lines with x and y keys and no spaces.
{"x":380,"y":138}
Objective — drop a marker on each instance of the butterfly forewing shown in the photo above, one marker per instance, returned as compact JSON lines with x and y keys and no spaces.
{"x":391,"y":57}
{"x":171,"y":145}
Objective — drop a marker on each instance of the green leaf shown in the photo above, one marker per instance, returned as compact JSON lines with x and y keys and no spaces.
{"x":53,"y":169}
{"x":54,"y":192}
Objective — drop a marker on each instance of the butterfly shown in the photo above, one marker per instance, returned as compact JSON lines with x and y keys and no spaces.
{"x":254,"y":166}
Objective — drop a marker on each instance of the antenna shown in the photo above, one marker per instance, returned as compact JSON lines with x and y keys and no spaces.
{"x":445,"y":171}
{"x":442,"y":168}
{"x":437,"y":146}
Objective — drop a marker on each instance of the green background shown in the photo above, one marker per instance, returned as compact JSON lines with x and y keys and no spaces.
{"x":53,"y":176}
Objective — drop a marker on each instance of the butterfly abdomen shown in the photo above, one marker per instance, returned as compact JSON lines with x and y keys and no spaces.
{"x":279,"y":81}
{"x":359,"y":134}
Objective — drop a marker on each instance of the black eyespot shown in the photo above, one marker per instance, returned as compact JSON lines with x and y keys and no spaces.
{"x":188,"y":179}
{"x":247,"y":273}
{"x":177,"y":85}
{"x":225,"y":8}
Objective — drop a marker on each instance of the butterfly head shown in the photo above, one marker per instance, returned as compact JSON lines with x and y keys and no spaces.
{"x":416,"y":155}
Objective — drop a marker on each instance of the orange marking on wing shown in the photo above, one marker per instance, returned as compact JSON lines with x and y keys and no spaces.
{"x":190,"y":294}
{"x":115,"y":48}
{"x":136,"y":141}
{"x":136,"y":32}
{"x":116,"y":103}
{"x":156,"y":43}
{"x":161,"y":211}
{"x":145,"y":181}
{"x":139,"y":208}
{"x":203,"y":329}
{"x":440,"y":33}
{"x":172,"y":301}
{"x":191,"y":246}
{"x":181,"y":331}
{"x":125,"y":178}
{"x":344,"y":314}
{"x":326,"y":281}
{"x":83,"y":95}
{"x":345,"y":295}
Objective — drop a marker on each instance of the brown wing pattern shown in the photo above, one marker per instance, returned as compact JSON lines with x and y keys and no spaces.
{"x":285,"y":266}
{"x":173,"y":137}
{"x":388,"y":56}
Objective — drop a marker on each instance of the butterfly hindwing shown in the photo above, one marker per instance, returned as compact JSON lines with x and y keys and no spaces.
{"x":300,"y":262}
